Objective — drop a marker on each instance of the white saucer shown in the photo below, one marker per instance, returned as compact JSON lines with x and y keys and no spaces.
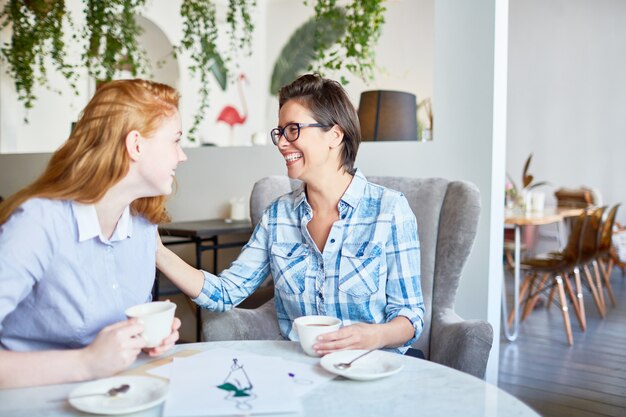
{"x":377,"y":364}
{"x":144,"y":392}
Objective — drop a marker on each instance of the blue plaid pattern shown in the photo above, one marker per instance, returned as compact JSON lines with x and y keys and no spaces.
{"x":368,"y":272}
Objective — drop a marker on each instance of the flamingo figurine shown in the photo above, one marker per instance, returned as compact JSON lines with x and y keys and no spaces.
{"x":230,"y":115}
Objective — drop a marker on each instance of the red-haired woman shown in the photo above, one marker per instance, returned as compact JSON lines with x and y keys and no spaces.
{"x":77,"y":246}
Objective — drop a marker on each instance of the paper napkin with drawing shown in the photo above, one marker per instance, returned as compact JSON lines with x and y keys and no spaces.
{"x":305,"y":377}
{"x":222,"y":382}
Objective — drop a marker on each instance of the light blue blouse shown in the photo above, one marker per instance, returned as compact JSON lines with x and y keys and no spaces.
{"x":61,"y":281}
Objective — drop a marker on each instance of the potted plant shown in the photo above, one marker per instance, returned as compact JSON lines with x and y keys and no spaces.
{"x":519,"y":197}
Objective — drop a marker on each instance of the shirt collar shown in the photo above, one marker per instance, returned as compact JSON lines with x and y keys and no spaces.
{"x":355,"y":190}
{"x":299,"y":195}
{"x":352,"y":196}
{"x":89,"y":227}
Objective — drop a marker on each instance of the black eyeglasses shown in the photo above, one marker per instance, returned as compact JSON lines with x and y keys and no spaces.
{"x":291,"y":131}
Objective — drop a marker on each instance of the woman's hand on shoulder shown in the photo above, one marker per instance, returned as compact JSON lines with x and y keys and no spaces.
{"x":114,"y":349}
{"x":355,"y":336}
{"x":168,"y":342}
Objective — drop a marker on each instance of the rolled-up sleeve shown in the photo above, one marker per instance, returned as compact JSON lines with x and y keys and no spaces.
{"x":224,"y":291}
{"x":404,"y":291}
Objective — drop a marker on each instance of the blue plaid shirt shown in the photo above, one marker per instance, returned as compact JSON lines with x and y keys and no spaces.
{"x":368,"y":272}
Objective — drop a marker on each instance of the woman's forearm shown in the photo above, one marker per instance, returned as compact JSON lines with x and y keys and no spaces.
{"x":396,"y":332}
{"x":187,"y":278}
{"x":22,"y":369}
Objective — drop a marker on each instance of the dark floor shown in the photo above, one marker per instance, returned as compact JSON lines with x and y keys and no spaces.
{"x":587,"y":379}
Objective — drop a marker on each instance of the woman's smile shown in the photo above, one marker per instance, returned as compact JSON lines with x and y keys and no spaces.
{"x":292,"y":157}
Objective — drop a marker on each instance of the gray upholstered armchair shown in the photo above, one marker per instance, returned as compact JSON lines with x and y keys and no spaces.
{"x":447,"y":215}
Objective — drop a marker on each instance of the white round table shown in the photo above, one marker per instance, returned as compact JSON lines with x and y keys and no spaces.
{"x":422,"y":388}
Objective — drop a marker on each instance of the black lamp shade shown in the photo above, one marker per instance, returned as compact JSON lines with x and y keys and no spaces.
{"x":388,"y":115}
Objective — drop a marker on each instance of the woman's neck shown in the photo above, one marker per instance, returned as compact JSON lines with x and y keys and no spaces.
{"x":324,"y":193}
{"x":111,"y":207}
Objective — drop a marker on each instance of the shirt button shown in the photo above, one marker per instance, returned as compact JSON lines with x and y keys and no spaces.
{"x":109,"y":249}
{"x":343,"y":216}
{"x":289,"y":254}
{"x":332,"y":240}
{"x":320,"y":295}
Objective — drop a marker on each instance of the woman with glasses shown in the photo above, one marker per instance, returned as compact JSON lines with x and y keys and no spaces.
{"x":337,"y":246}
{"x":77,"y":246}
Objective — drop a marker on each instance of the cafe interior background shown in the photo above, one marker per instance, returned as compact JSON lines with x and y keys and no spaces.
{"x":506,"y":79}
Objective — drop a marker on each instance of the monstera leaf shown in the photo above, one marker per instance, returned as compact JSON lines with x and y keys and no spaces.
{"x":300,"y":50}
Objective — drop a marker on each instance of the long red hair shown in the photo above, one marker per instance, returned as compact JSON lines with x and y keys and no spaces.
{"x":94,"y":158}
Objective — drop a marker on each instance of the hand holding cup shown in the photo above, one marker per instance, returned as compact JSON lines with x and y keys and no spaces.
{"x":156,"y":317}
{"x":310,"y":327}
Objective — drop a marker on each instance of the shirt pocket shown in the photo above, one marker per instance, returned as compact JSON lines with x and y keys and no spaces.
{"x":359,"y":268}
{"x":290,"y":262}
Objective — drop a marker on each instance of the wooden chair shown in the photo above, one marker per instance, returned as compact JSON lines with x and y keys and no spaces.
{"x":604,"y":252}
{"x":588,"y":255}
{"x":574,"y":198}
{"x":556,"y":266}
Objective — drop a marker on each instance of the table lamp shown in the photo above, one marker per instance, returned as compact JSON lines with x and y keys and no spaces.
{"x":388,"y":115}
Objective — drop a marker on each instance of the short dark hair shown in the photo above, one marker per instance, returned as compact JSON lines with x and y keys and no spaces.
{"x":330,"y":105}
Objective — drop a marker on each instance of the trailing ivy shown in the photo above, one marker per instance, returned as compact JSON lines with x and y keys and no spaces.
{"x":111,"y":31}
{"x":240,"y":25}
{"x":355,"y":50}
{"x":343,"y":39}
{"x":200,"y":41}
{"x":37,"y":33}
{"x":200,"y":35}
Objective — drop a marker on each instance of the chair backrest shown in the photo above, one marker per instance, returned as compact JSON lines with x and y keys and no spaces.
{"x":447,"y":217}
{"x":571,"y":252}
{"x":574,"y":198}
{"x":590,"y":236}
{"x":606,"y":232}
{"x":267,"y":190}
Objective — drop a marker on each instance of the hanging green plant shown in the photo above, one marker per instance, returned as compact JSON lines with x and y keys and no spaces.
{"x":338,"y":39}
{"x":111,"y":31}
{"x":240,"y":26}
{"x":355,"y":50}
{"x":200,"y":41}
{"x":200,"y":35}
{"x":37,"y":33}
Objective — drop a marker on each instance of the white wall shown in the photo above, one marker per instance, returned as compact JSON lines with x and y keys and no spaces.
{"x":567,"y":94}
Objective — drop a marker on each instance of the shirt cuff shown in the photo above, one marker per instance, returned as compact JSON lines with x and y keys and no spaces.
{"x":207,"y":297}
{"x":416,"y":320}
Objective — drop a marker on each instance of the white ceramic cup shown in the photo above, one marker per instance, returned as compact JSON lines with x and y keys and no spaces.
{"x":309,"y":327}
{"x":157,"y":318}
